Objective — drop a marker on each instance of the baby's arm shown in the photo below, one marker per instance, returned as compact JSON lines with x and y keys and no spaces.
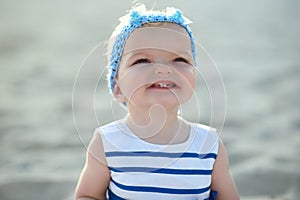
{"x":95,"y":176}
{"x":222,"y":181}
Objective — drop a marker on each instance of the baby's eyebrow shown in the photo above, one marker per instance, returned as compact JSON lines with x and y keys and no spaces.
{"x":143,"y":51}
{"x":134,"y":53}
{"x":185,"y":53}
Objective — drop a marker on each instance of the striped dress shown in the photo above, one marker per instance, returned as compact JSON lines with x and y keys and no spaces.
{"x":142,"y":170}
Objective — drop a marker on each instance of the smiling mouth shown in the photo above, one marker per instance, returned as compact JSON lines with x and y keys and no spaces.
{"x":163,"y":85}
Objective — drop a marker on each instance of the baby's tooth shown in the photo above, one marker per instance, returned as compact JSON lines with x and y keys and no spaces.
{"x":161,"y":85}
{"x":164,"y":85}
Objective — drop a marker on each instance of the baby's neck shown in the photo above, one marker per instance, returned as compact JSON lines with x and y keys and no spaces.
{"x":158,"y":126}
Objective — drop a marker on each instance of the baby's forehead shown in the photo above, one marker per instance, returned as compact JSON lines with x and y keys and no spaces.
{"x":162,"y":36}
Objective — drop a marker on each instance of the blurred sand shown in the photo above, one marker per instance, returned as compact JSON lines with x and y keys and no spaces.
{"x":255,"y":45}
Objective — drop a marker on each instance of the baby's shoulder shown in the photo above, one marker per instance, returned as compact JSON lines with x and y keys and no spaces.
{"x":108,"y":128}
{"x":205,"y":136}
{"x":202,"y":129}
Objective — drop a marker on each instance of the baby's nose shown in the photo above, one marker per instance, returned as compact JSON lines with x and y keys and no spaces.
{"x":162,"y":69}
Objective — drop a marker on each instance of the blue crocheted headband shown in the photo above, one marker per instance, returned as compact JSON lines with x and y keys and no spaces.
{"x":136,"y":19}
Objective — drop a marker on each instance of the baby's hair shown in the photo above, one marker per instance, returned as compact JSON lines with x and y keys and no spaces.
{"x":136,"y":18}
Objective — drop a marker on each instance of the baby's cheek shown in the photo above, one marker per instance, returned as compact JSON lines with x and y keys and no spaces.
{"x":189,"y":78}
{"x":188,"y":75}
{"x":130,"y":84}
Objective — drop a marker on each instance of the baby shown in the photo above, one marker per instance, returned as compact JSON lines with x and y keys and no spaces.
{"x":153,"y":153}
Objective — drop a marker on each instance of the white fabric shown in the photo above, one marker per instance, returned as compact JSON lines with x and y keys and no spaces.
{"x":141,"y":170}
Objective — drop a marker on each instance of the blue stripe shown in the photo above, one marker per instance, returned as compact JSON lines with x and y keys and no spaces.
{"x":160,"y":190}
{"x":162,"y":170}
{"x":160,"y":154}
{"x":213,"y":195}
{"x":113,"y":196}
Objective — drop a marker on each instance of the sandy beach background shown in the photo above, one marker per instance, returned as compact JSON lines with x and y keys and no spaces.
{"x":255,"y":45}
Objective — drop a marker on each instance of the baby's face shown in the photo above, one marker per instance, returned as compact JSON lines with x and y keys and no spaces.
{"x":157,"y":67}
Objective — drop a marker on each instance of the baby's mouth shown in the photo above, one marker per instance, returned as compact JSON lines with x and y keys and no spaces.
{"x":166,"y":85}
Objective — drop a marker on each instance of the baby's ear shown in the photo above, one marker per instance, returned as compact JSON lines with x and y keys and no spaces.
{"x":117,"y":93}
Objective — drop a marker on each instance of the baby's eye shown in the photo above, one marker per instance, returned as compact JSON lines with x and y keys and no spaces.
{"x":180,"y":59}
{"x":142,"y":60}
